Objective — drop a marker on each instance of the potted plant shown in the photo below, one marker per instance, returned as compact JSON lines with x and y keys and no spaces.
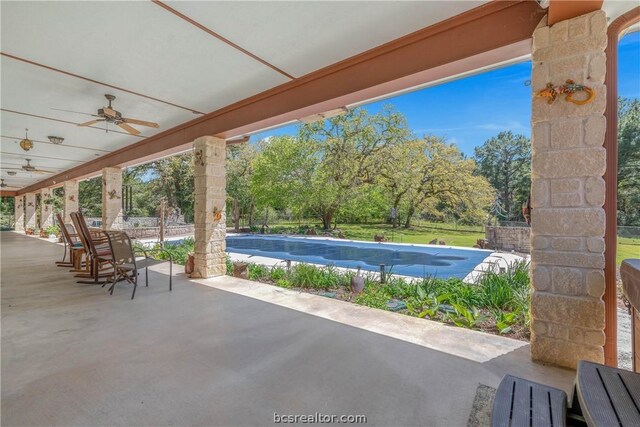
{"x":29,"y":231}
{"x":43,"y":233}
{"x":52,"y":232}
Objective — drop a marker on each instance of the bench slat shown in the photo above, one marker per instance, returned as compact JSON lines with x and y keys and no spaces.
{"x":501,"y":415}
{"x":541,"y":416}
{"x":521,"y":404}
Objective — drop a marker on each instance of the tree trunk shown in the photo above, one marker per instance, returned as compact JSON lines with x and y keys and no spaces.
{"x":236,"y":215}
{"x":412,"y":210}
{"x":327,"y":217}
{"x":396,"y":203}
{"x":252,"y":208}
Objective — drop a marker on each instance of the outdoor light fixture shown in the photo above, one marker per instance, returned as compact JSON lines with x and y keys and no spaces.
{"x":11,"y":173}
{"x":326,"y":115}
{"x":26,"y":144}
{"x":56,"y":139}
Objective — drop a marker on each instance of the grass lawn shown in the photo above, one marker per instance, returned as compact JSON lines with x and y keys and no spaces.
{"x":454,"y":235}
{"x":627,"y":248}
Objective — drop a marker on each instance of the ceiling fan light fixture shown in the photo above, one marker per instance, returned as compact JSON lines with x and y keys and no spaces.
{"x":11,"y":173}
{"x":26,"y":144}
{"x":56,"y":139}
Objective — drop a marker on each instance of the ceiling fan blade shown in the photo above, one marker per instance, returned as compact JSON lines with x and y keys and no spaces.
{"x":141,"y":123}
{"x":90,"y":122}
{"x":77,"y":112}
{"x":41,"y":171}
{"x":131,"y":130}
{"x":109,"y":112}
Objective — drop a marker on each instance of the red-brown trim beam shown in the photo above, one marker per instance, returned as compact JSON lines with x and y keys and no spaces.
{"x":560,"y":10}
{"x":616,"y":28}
{"x":8,"y":193}
{"x":484,"y":36}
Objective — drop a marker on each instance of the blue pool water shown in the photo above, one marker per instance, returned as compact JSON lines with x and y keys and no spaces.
{"x":406,"y":260}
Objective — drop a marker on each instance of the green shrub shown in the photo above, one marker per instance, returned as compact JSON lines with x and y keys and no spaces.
{"x":310,"y":276}
{"x":373,"y":296}
{"x":257,"y":272}
{"x":277,"y":273}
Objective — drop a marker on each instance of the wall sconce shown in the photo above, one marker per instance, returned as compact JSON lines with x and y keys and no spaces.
{"x":56,"y":139}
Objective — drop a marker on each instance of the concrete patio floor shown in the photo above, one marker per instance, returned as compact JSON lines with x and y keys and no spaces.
{"x":201,"y":355}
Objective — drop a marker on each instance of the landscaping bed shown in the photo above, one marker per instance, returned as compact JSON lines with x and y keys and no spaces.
{"x":497,"y":304}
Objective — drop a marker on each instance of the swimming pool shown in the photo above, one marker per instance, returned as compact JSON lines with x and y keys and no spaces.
{"x":402,"y":259}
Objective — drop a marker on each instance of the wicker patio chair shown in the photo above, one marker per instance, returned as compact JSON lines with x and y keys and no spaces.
{"x":124,"y":262}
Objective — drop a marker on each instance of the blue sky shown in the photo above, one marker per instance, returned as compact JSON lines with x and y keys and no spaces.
{"x":469,"y":111}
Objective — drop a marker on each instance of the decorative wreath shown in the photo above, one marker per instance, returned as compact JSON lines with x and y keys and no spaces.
{"x":551,"y":92}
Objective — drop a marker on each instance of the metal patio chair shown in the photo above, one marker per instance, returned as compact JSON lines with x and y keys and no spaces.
{"x":124,"y":262}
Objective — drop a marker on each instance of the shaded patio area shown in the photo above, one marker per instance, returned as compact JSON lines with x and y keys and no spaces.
{"x":73,"y":355}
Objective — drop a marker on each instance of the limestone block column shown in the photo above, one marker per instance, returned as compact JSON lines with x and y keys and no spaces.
{"x":46,"y":209}
{"x":209,"y":156}
{"x":567,"y":195}
{"x":70,"y":200}
{"x":30,"y":210}
{"x":18,"y":213}
{"x":112,"y":199}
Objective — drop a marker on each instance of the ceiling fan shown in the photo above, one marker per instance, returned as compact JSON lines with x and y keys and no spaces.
{"x":2,"y":183}
{"x":109,"y":115}
{"x":30,"y":168}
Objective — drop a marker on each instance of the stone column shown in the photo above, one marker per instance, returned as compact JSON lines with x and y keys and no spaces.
{"x":46,"y":209}
{"x":112,"y":199}
{"x":567,"y":194}
{"x":18,"y":213}
{"x":209,"y":156}
{"x":70,"y":200}
{"x":30,"y":210}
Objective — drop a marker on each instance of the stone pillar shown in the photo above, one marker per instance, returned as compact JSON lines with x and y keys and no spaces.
{"x":46,"y":209}
{"x":70,"y":200}
{"x":112,"y":199}
{"x":30,"y":211}
{"x":567,"y":195}
{"x":18,"y":213}
{"x":209,"y":156}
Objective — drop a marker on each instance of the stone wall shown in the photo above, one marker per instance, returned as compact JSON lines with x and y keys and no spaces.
{"x":567,"y":194}
{"x":154,"y":232}
{"x":509,"y":238}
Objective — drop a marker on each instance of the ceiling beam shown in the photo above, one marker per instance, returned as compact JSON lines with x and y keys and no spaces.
{"x":561,"y":10}
{"x":8,"y":193}
{"x":487,"y":35}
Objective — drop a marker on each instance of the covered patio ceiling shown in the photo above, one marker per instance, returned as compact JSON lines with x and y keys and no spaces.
{"x":222,"y":68}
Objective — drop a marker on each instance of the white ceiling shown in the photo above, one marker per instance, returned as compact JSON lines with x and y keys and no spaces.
{"x":140,"y":47}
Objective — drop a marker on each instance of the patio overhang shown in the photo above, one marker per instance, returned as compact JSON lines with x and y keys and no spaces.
{"x":461,"y":44}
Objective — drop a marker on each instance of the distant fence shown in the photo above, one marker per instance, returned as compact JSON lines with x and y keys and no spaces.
{"x":630,"y":232}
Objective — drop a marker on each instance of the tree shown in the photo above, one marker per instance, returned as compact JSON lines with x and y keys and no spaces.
{"x":505,"y":160}
{"x":629,"y":162}
{"x":349,"y":148}
{"x":282,"y":174}
{"x":173,"y":181}
{"x":239,"y":170}
{"x":442,"y":176}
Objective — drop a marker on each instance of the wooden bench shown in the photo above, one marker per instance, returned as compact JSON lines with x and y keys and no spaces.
{"x":519,"y":402}
{"x":606,"y":396}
